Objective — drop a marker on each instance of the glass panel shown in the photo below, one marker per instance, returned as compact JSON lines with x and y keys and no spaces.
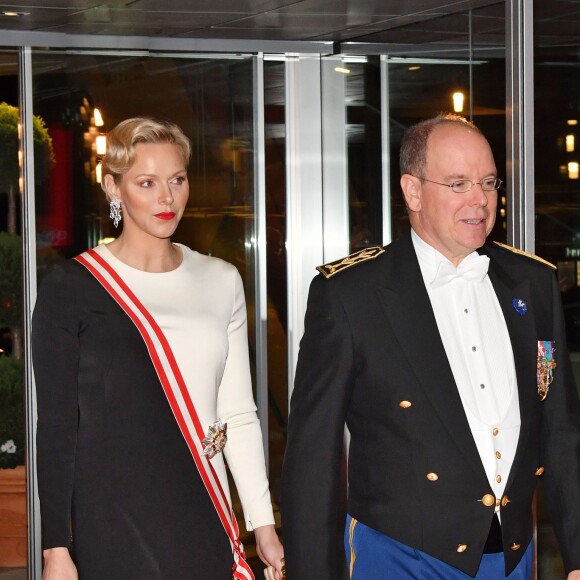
{"x":275,"y":99}
{"x":13,"y":541}
{"x":425,"y":69}
{"x":363,"y":117}
{"x":210,"y":98}
{"x":557,"y":191}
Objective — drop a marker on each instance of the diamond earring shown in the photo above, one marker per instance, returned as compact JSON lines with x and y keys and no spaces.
{"x":115,"y":214}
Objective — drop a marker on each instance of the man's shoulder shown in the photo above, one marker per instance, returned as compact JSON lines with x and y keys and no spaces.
{"x":501,"y":250}
{"x":366,"y":255}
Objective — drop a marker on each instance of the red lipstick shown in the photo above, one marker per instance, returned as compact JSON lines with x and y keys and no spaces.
{"x":165,"y":215}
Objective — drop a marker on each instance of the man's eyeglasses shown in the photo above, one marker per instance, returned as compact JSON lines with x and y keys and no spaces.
{"x":465,"y":185}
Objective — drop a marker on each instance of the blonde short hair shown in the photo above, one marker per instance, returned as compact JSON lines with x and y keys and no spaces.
{"x":121,"y":142}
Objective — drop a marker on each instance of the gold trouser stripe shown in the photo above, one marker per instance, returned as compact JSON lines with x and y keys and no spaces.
{"x":353,"y":523}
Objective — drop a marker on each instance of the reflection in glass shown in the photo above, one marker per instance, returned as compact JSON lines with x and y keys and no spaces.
{"x":82,"y":95}
{"x":274,"y":99}
{"x":363,"y":118}
{"x":424,"y":71}
{"x":557,"y":195}
{"x":13,"y":507}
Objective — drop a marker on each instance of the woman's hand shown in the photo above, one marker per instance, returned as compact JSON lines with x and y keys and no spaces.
{"x":270,"y":551}
{"x":58,"y":565}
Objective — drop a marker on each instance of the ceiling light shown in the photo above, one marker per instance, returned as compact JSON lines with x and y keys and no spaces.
{"x":13,"y":14}
{"x":414,"y":67}
{"x":458,"y":99}
{"x":342,"y":70}
{"x":98,"y":117}
{"x":573,"y":170}
{"x":101,"y":143}
{"x":572,"y":122}
{"x":355,"y":58}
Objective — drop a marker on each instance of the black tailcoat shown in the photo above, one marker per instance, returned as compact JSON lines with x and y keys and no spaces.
{"x":371,"y":342}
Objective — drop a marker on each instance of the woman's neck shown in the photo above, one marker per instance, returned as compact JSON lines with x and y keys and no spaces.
{"x":156,"y":255}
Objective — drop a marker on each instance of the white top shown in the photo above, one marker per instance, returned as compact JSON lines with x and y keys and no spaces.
{"x":477,"y":344}
{"x":200,"y":307}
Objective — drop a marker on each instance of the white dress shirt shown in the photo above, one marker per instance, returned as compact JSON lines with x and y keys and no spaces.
{"x":478,"y":347}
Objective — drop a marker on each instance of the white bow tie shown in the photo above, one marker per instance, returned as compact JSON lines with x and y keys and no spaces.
{"x":474,"y":270}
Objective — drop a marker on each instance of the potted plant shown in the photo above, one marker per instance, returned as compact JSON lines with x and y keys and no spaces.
{"x":12,"y":422}
{"x":12,"y":474}
{"x":12,"y":414}
{"x":9,"y":145}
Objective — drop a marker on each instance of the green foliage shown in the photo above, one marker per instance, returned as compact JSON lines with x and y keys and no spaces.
{"x":10,"y":281}
{"x":12,"y":415}
{"x":43,"y":151}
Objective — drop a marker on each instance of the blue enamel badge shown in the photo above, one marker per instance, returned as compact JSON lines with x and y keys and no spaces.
{"x":520,"y":306}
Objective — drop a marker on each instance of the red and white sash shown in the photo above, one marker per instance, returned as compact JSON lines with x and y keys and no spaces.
{"x":177,"y":395}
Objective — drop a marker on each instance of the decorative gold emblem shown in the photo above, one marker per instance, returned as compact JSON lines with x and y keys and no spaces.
{"x":332,"y":268}
{"x":215,"y":440}
{"x":545,"y":366}
{"x":527,"y":254}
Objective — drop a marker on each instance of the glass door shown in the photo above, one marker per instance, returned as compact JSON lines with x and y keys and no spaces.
{"x":557,"y":195}
{"x":13,"y":453}
{"x":80,"y":95}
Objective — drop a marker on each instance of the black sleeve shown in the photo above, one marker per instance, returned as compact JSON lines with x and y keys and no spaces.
{"x":311,"y":481}
{"x":560,"y":446}
{"x":55,"y":352}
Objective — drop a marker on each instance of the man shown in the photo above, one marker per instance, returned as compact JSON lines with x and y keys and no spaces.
{"x":450,"y":368}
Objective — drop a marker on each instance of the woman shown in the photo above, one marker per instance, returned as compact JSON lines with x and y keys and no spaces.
{"x":141,"y":362}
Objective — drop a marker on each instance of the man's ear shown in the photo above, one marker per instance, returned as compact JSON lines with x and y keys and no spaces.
{"x":111,"y":187}
{"x":412,"y":190}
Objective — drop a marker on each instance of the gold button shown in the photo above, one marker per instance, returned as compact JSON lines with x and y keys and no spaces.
{"x":405,"y":404}
{"x":461,"y":548}
{"x":498,"y":478}
{"x":432,"y":476}
{"x":515,"y":546}
{"x":498,"y":454}
{"x":495,"y":431}
{"x":539,"y":471}
{"x":504,"y":501}
{"x":488,"y":500}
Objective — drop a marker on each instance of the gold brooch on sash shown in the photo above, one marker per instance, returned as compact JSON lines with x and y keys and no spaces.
{"x":545,"y":367}
{"x":215,"y":440}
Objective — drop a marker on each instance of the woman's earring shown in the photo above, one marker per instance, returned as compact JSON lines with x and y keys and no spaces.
{"x":115,"y":214}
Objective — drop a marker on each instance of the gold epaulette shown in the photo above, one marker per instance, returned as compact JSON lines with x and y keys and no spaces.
{"x":522,"y":253}
{"x":332,"y":268}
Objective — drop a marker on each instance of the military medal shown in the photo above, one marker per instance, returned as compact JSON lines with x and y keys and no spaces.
{"x":215,"y":440}
{"x":545,"y":367}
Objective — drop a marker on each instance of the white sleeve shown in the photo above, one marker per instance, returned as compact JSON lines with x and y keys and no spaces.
{"x":244,"y":450}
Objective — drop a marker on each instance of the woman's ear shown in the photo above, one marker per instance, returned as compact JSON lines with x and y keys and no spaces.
{"x":111,"y":187}
{"x":412,"y":190}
